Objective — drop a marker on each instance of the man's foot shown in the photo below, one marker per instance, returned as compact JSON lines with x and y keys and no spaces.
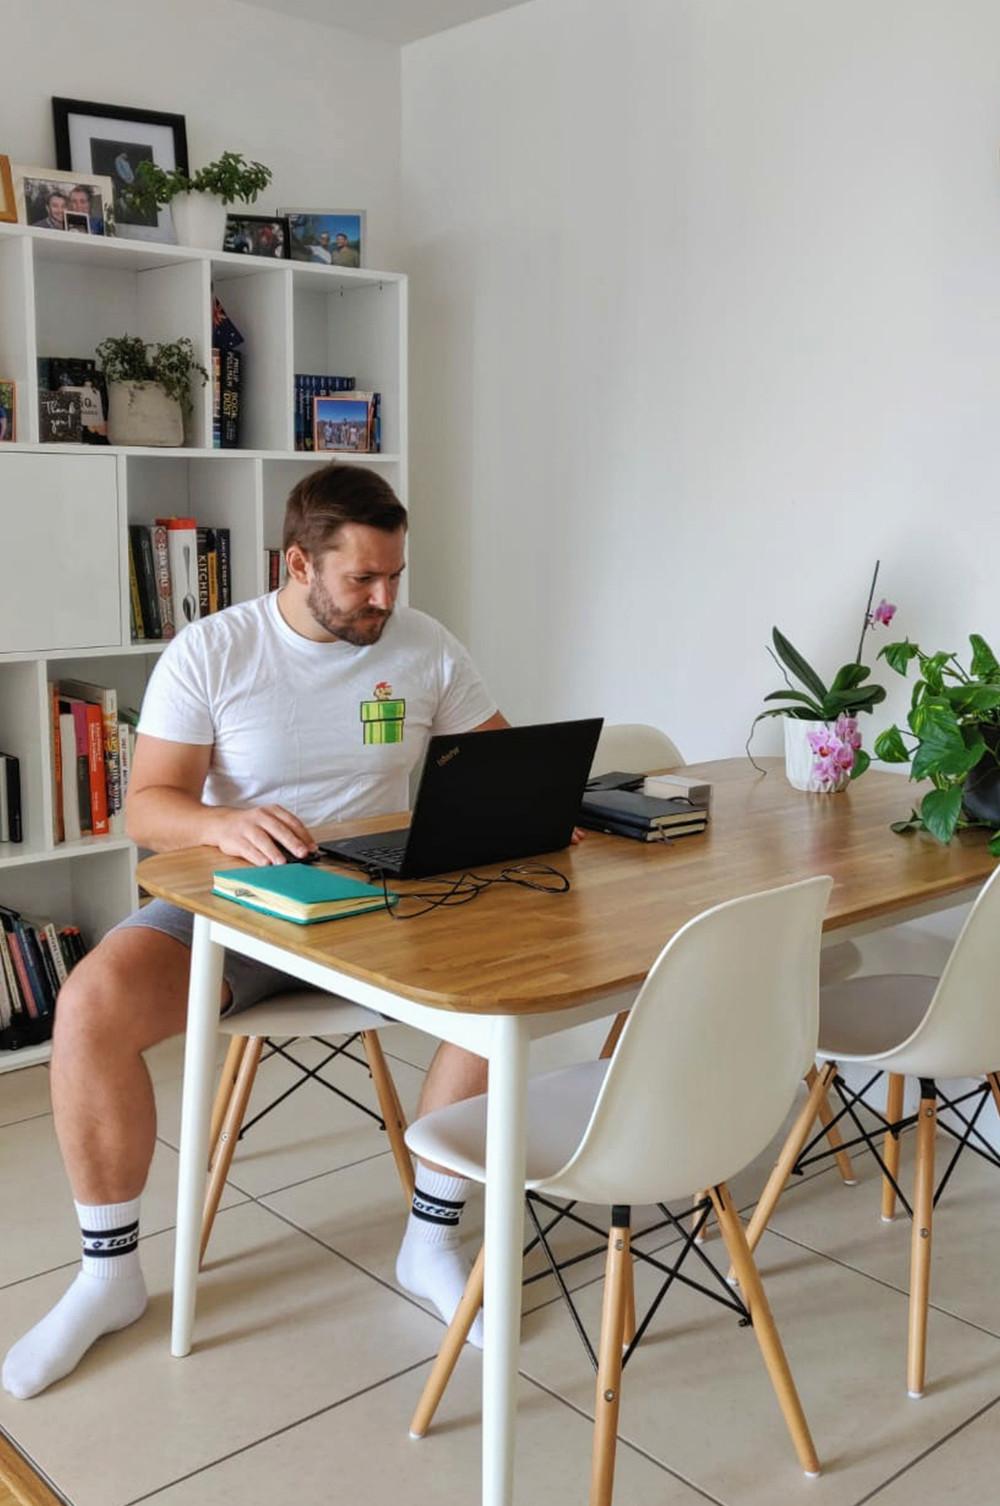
{"x":439,"y":1275}
{"x":55,"y":1346}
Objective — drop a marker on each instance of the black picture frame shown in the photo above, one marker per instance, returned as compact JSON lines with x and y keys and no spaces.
{"x":262,"y":222}
{"x":153,"y":122}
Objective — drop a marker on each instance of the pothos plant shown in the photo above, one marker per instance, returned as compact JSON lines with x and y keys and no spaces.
{"x":231,"y":177}
{"x":129,"y":358}
{"x":952,"y":737}
{"x":806,"y":697}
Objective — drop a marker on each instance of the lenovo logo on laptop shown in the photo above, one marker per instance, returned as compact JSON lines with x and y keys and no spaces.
{"x":447,"y":757}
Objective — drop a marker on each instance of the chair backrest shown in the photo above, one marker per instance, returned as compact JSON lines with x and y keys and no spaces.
{"x":710,"y":1059}
{"x":959,"y":1036}
{"x":634,"y":748}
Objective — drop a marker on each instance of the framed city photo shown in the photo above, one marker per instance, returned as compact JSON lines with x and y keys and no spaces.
{"x":112,"y":140}
{"x":327,"y":237}
{"x":8,"y":204}
{"x":257,"y":235}
{"x":343,"y":422}
{"x":45,"y":197}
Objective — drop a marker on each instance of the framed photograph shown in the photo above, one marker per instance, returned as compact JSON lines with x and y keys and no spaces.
{"x":8,"y":411}
{"x":8,"y":204}
{"x":44,"y":197}
{"x":343,"y":422}
{"x":112,"y":140}
{"x":257,"y":235}
{"x":78,"y":222}
{"x":328,"y":237}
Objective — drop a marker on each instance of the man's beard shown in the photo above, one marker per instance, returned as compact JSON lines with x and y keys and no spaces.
{"x":361,"y":628}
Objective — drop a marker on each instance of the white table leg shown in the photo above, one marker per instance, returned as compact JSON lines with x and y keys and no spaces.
{"x":505,"y":1153}
{"x":196,"y":1107}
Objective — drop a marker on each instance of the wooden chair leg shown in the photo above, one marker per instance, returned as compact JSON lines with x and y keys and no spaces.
{"x":790,"y":1152}
{"x":224,"y":1092}
{"x":764,"y":1328}
{"x":993,"y":1079}
{"x":609,"y":1364}
{"x":628,"y":1322}
{"x":611,"y":1040}
{"x":890,"y":1145}
{"x":388,"y":1104}
{"x":451,"y":1347}
{"x":920,"y":1243}
{"x":834,"y":1137}
{"x":228,"y":1136}
{"x":700,"y":1197}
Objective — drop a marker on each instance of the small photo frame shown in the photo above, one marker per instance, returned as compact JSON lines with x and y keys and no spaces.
{"x":257,"y":235}
{"x":343,"y":422}
{"x":112,"y":140}
{"x":8,"y":412}
{"x":78,"y":222}
{"x":8,"y":203}
{"x":327,"y":237}
{"x":44,"y":197}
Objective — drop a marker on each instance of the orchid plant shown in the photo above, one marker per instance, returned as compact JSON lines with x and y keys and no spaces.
{"x":836,"y":745}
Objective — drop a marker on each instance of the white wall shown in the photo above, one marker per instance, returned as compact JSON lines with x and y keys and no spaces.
{"x":706,"y":316}
{"x":319,"y":106}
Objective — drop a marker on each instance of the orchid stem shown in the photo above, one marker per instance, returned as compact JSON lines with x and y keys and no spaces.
{"x":868,"y":614}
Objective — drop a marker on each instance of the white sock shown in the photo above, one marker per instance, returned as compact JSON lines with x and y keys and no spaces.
{"x":430,"y":1263}
{"x":109,"y":1293}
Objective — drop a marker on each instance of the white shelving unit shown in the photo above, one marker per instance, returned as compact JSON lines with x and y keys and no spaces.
{"x":65,"y":509}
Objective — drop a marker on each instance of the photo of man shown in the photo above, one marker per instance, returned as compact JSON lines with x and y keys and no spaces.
{"x":51,"y":201}
{"x":64,"y":203}
{"x":331,"y":238}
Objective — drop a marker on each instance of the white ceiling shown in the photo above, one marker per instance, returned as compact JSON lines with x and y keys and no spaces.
{"x":389,"y":20}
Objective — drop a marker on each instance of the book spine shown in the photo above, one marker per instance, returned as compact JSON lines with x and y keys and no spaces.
{"x":164,"y":597}
{"x":148,"y":589}
{"x":58,"y":825}
{"x":15,"y":829}
{"x":6,"y":1002}
{"x":51,"y":976}
{"x":96,"y":776}
{"x":135,"y":601}
{"x":37,"y":977}
{"x":55,"y":952}
{"x":82,"y":762}
{"x":21,"y":968}
{"x":216,"y":398}
{"x":10,"y":973}
{"x":232,"y":377}
{"x":112,"y":766}
{"x":203,"y":607}
{"x":124,"y":764}
{"x":225,"y":568}
{"x":212,"y":543}
{"x":182,"y":548}
{"x":72,"y":829}
{"x":4,"y":821}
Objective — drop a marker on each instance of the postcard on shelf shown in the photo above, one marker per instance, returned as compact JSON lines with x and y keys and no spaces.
{"x":59,"y":418}
{"x":343,"y":422}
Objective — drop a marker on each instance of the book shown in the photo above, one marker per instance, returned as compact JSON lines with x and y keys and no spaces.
{"x":669,"y":786}
{"x":636,"y":809}
{"x":105,"y":697}
{"x":4,"y":816}
{"x":10,"y":797}
{"x":182,"y":552}
{"x":135,"y":601}
{"x":230,"y":386}
{"x":164,"y":596}
{"x":72,"y":830}
{"x":204,"y":597}
{"x":298,"y":892}
{"x":58,"y":829}
{"x":225,"y":569}
{"x":141,"y":558}
{"x":79,"y":761}
{"x":96,"y":777}
{"x":642,"y":833}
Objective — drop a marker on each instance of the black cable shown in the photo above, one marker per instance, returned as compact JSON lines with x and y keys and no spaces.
{"x":469,"y":885}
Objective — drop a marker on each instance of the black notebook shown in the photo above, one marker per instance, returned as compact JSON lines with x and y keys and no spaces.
{"x":636,"y":809}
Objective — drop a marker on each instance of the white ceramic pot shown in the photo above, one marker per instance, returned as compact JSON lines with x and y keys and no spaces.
{"x":199,"y":220}
{"x":143,"y":413}
{"x":801,"y":759}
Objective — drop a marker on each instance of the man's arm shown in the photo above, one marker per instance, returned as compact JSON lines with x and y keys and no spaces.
{"x":493,"y":723}
{"x":164,"y":809}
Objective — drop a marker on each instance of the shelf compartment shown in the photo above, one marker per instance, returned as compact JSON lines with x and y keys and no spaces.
{"x":354,"y":330}
{"x":17,"y":337}
{"x":260,"y":305}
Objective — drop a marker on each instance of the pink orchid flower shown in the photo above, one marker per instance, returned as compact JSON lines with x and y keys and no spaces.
{"x":884,"y":612}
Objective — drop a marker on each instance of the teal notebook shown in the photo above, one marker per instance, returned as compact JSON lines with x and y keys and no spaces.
{"x":296,"y":892}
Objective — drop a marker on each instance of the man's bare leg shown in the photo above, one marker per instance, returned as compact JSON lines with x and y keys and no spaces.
{"x":430,"y":1263}
{"x":127,"y":995}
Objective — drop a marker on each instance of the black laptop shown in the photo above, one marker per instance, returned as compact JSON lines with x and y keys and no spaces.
{"x":485,"y":797}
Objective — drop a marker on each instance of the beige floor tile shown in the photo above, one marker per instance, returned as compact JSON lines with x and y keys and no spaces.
{"x":284,"y":1329}
{"x":962,"y":1471}
{"x":409,"y":1045}
{"x":966,"y":1230}
{"x":312,"y":1131}
{"x":696,"y":1395}
{"x":363,"y":1447}
{"x":24,"y":1094}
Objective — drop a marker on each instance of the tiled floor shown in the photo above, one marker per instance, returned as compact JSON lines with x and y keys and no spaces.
{"x":308,"y":1360}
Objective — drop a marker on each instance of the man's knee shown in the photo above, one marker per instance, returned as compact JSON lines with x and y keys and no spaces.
{"x":122,"y":997}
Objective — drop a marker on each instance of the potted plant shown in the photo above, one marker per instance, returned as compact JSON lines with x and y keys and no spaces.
{"x":953,"y":739}
{"x":149,"y":389}
{"x":198,"y":202}
{"x":823,"y":751}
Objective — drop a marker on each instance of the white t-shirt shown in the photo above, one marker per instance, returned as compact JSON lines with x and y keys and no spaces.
{"x":327,"y":730}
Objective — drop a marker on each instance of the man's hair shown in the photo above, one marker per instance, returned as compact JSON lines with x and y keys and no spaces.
{"x":326,"y":499}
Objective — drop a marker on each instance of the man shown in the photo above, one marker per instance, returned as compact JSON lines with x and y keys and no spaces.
{"x":344,"y":254}
{"x":250,"y":737}
{"x":55,"y":212}
{"x":320,"y":248}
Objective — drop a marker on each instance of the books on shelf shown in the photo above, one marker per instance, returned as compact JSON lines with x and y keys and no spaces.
{"x":36,"y":957}
{"x":11,"y":824}
{"x":275,"y":569}
{"x":178,"y":572}
{"x":308,"y":386}
{"x":294,"y":891}
{"x":227,"y":381}
{"x":92,"y":742}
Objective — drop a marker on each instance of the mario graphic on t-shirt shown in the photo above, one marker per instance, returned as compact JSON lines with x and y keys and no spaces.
{"x":382,"y":719}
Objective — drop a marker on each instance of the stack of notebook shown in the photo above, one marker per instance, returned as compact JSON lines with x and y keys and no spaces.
{"x":292,"y":891}
{"x":646,"y":818}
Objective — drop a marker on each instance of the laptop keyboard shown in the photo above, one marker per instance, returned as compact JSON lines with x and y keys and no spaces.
{"x":380,"y":850}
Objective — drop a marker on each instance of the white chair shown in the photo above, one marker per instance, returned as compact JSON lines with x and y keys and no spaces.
{"x":910,"y":1025}
{"x":634,"y":748}
{"x":298,"y":1013}
{"x":701,"y":1078}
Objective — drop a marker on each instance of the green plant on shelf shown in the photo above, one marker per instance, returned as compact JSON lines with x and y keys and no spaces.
{"x":231,"y":177}
{"x":129,"y":358}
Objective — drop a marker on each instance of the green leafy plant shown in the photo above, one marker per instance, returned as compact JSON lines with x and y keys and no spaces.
{"x":953,"y":729}
{"x":806,"y":697}
{"x":231,"y":176}
{"x":129,"y":358}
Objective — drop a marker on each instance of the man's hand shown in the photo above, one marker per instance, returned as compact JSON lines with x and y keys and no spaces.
{"x":254,"y":834}
{"x":579,"y":835}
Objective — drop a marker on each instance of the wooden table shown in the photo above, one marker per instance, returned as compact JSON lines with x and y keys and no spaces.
{"x":515,"y":965}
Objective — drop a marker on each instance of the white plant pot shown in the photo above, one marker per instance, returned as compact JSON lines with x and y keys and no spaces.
{"x":800,"y":760}
{"x":199,"y":220}
{"x":143,"y":413}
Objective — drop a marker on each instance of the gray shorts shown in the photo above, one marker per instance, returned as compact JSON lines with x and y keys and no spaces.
{"x":249,"y":981}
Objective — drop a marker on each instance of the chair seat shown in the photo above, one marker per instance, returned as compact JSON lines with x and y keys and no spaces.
{"x":865,"y":1017}
{"x":558,"y":1111}
{"x":839,"y":962}
{"x":304,"y":1012}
